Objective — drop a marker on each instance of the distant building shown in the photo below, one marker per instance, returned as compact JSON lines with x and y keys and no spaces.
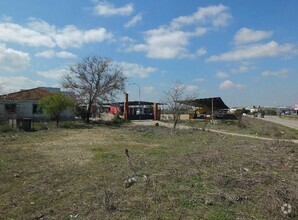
{"x":286,"y":110}
{"x":23,"y":104}
{"x":296,"y":109}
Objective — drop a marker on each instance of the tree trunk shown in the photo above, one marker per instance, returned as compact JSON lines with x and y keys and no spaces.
{"x":174,"y":127}
{"x":88,"y":117}
{"x":88,"y":112}
{"x":57,"y":121}
{"x":175,"y":122}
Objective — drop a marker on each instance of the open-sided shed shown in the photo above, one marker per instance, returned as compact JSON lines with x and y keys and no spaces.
{"x":215,"y":103}
{"x":136,"y":110}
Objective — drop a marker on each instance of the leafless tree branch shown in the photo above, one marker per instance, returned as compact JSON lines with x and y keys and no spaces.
{"x":94,"y":79}
{"x":173,"y":98}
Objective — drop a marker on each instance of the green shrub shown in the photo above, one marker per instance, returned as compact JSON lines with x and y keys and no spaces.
{"x":5,"y":128}
{"x":116,"y":117}
{"x":81,"y":112}
{"x":270,"y":112}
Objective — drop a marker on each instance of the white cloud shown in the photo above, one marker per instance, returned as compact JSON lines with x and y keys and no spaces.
{"x":39,"y":33}
{"x":245,"y":35}
{"x":201,"y":51}
{"x":126,"y":39}
{"x":41,"y":26}
{"x":136,"y":70}
{"x":222,"y":75}
{"x":190,"y":88}
{"x":166,"y":44}
{"x":71,"y":36}
{"x":96,"y":35}
{"x":136,"y":19}
{"x":187,"y":88}
{"x":243,"y":68}
{"x":162,"y":43}
{"x":107,"y":9}
{"x":13,"y":60}
{"x":283,"y":73}
{"x":271,"y":49}
{"x":227,"y":84}
{"x":46,"y":54}
{"x":65,"y":54}
{"x":56,"y":74}
{"x":10,"y":32}
{"x":170,"y":41}
{"x":13,"y":84}
{"x":52,"y":54}
{"x":199,"y":80}
{"x":6,"y":18}
{"x":217,"y":15}
{"x":149,"y":90}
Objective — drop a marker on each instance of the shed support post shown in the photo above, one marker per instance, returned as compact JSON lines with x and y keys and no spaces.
{"x":156,"y":113}
{"x":125,"y":113}
{"x":212,"y":118}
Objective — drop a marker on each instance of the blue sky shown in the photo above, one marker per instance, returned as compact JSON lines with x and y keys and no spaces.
{"x":244,"y":51}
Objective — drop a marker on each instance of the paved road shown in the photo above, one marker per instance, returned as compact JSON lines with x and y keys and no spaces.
{"x":282,"y":121}
{"x":169,"y":125}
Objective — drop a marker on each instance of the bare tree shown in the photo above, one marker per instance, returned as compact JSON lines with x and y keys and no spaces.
{"x":94,"y":79}
{"x":239,"y":113}
{"x":173,"y":99}
{"x":1,"y":89}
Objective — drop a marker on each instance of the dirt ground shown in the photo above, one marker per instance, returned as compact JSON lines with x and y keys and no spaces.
{"x":145,"y":172}
{"x":286,"y":122}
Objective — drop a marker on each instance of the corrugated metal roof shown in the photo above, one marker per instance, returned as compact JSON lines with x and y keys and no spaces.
{"x":30,"y":94}
{"x":218,"y":104}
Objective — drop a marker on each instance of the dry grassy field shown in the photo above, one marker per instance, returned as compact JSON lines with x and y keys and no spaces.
{"x":249,"y":126}
{"x":85,"y":172}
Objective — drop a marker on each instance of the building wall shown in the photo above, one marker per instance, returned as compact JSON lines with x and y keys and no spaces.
{"x":68,"y":114}
{"x":169,"y":117}
{"x":24,"y":109}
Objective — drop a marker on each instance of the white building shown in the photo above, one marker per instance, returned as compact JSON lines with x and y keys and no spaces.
{"x":23,"y":104}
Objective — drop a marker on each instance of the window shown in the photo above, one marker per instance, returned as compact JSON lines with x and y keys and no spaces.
{"x":11,"y":108}
{"x":36,"y":110}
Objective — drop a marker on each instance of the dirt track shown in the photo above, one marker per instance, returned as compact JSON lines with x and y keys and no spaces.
{"x":282,"y":121}
{"x":169,"y":125}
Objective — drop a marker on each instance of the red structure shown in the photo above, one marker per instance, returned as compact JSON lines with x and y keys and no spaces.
{"x":134,"y":110}
{"x":114,"y":110}
{"x":125,"y":111}
{"x":156,"y":112}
